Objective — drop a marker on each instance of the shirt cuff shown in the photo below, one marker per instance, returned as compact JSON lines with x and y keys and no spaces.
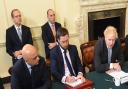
{"x":63,"y":79}
{"x":111,"y":65}
{"x":80,"y":73}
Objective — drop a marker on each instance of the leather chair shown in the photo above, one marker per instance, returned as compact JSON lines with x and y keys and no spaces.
{"x":87,"y":50}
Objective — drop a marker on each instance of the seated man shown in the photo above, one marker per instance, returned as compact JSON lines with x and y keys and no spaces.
{"x":30,"y":72}
{"x":126,"y":49}
{"x":107,"y":54}
{"x":65,"y":62}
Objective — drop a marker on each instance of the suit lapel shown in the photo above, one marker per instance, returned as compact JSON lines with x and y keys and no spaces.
{"x":27,"y":73}
{"x":105,"y":51}
{"x":23,"y":33}
{"x":56,"y":27}
{"x":60,"y":58}
{"x":71,"y":55}
{"x":50,"y":31}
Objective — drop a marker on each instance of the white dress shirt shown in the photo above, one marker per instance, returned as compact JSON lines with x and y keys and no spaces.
{"x":67,"y":72}
{"x":29,"y":67}
{"x":17,"y":28}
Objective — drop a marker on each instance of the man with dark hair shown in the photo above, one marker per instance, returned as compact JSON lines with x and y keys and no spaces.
{"x":17,"y":36}
{"x":49,"y":33}
{"x":65,"y":61}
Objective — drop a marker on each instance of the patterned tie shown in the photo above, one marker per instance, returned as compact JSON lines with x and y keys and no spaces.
{"x":19,"y":34}
{"x":54,"y":31}
{"x":109,"y":55}
{"x":68,"y":63}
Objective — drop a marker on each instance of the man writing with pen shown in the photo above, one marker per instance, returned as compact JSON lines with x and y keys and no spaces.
{"x":108,"y":54}
{"x":65,"y":61}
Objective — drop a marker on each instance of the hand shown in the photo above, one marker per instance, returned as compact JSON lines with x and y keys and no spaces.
{"x":51,"y":45}
{"x":116,"y":66}
{"x":70,"y":79}
{"x":17,"y":53}
{"x":79,"y":76}
{"x":19,"y":56}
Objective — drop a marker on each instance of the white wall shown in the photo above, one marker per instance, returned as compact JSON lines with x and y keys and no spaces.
{"x":34,"y":15}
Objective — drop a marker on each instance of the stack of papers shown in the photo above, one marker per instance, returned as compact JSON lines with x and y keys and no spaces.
{"x":74,"y":84}
{"x":123,"y":76}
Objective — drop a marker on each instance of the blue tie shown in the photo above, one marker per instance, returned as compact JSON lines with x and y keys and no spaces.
{"x":68,"y":63}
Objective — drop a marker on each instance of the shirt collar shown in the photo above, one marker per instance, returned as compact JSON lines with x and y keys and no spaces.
{"x":28,"y":66}
{"x":50,"y":23}
{"x":16,"y":27}
{"x":62,"y":50}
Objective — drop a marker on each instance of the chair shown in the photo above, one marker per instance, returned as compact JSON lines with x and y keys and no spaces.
{"x":87,"y":50}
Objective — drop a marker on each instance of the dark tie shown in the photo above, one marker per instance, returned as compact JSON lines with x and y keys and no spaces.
{"x":68,"y":63}
{"x":32,"y":77}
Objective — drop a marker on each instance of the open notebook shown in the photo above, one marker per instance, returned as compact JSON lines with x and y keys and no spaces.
{"x":123,"y":76}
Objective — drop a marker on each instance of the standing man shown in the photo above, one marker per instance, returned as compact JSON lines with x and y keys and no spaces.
{"x":30,"y":72}
{"x":17,"y":36}
{"x":108,"y":54}
{"x":49,"y":33}
{"x":65,"y":61}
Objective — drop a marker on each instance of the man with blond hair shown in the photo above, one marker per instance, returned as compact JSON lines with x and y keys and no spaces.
{"x":107,"y":54}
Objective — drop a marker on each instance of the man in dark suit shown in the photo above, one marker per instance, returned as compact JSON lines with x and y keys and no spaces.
{"x":30,"y":72}
{"x":65,"y":62}
{"x":49,"y":33}
{"x":17,"y":36}
{"x":108,"y":54}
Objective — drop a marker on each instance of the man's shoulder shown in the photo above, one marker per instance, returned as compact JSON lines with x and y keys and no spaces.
{"x":72,"y":46}
{"x":57,"y":23}
{"x":55,"y":49}
{"x":18,"y":65}
{"x":25,"y":27}
{"x":100,"y":41}
{"x":45,"y":25}
{"x":10,"y":28}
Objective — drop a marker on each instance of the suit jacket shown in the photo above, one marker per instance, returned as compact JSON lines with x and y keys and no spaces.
{"x":57,"y":62}
{"x":21,"y":78}
{"x":48,"y":37}
{"x":101,"y":55}
{"x":13,"y":42}
{"x":1,"y":84}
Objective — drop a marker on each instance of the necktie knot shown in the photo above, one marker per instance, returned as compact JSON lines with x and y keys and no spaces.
{"x":65,"y":51}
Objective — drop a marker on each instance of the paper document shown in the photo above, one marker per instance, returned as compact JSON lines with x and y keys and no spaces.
{"x":74,"y":84}
{"x":123,"y":76}
{"x":117,"y":74}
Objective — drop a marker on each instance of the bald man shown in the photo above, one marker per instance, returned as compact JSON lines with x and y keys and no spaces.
{"x":107,"y":54}
{"x":30,"y":72}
